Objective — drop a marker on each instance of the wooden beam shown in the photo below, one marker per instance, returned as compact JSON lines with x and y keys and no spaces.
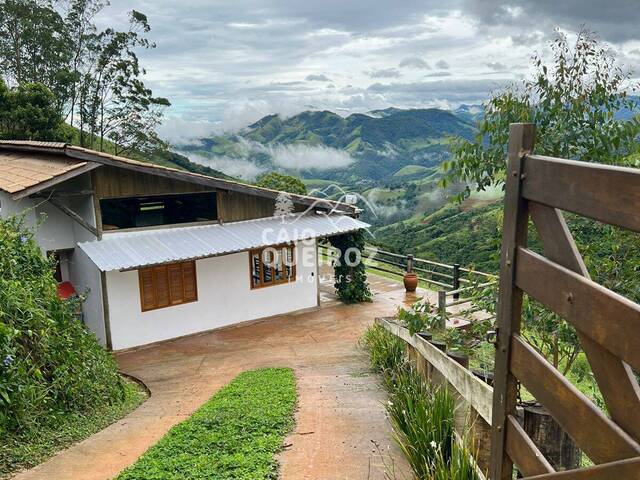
{"x":54,"y":181}
{"x":88,"y":156}
{"x":602,"y":315}
{"x":602,"y":192}
{"x":73,"y":215}
{"x":620,"y":470}
{"x":524,"y":453}
{"x":600,"y":438}
{"x":615,"y":379}
{"x":514,"y":234}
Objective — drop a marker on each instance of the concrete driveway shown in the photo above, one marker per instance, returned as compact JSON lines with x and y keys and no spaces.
{"x":341,"y":430}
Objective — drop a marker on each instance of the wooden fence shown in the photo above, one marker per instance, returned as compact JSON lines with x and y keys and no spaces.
{"x":453,"y":282}
{"x":473,"y":395}
{"x":607,"y":324}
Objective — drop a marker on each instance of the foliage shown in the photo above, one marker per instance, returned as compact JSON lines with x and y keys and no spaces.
{"x":386,"y":351}
{"x":422,"y":418}
{"x":29,"y":112}
{"x":572,"y":102}
{"x":422,"y":415}
{"x":95,"y":76}
{"x":281,"y":182}
{"x":419,"y":317}
{"x":50,"y":363}
{"x":235,"y":435}
{"x":32,"y":447}
{"x":349,"y":269}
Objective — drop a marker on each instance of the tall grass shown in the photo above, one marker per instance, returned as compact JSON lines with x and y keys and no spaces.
{"x":422,"y":415}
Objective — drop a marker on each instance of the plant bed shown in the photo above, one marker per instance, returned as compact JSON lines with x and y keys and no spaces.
{"x":234,"y":435}
{"x":27,"y":449}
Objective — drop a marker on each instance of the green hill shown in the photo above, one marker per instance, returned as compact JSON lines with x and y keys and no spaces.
{"x":373,"y":146}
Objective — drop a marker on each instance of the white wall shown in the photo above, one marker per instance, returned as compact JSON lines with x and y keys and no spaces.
{"x":58,"y":232}
{"x":224,"y":298}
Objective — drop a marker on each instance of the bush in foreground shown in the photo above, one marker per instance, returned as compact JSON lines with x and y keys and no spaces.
{"x":50,"y":363}
{"x":422,"y":415}
{"x":234,"y":436}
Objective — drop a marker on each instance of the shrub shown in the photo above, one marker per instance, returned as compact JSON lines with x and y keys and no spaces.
{"x":49,"y":363}
{"x":351,"y":281}
{"x":386,"y":351}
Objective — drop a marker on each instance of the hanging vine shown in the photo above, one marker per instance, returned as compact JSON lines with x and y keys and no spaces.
{"x":349,"y":270}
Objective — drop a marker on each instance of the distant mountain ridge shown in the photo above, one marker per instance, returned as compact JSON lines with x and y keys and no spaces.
{"x":379,"y":143}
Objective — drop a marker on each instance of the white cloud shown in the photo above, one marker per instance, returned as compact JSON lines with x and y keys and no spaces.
{"x":236,"y":167}
{"x":179,"y":130}
{"x":300,"y":156}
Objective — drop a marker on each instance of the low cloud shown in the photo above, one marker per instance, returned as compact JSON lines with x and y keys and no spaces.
{"x":236,"y":167}
{"x":303,"y":157}
{"x":438,"y":74}
{"x":384,"y":73}
{"x":317,"y":78}
{"x":442,"y":65}
{"x":497,"y":66}
{"x":414,"y":62}
{"x":182,"y":131}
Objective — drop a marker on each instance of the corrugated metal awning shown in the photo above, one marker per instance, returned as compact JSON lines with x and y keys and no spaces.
{"x":126,"y":250}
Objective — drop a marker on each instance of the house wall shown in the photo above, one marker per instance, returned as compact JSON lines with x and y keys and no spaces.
{"x":224,"y":298}
{"x":59,"y":232}
{"x":55,"y":233}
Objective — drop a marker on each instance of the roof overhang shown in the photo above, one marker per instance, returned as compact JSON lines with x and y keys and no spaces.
{"x":130,"y":250}
{"x":100,"y":158}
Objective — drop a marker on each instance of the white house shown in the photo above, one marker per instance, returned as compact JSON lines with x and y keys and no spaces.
{"x":161,"y":253}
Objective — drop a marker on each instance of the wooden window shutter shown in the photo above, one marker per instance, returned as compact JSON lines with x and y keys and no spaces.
{"x":167,"y":285}
{"x":189,"y":281}
{"x":176,"y":283}
{"x":147,"y":290}
{"x":163,"y":298}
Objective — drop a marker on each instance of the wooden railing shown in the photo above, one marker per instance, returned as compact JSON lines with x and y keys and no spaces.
{"x":455,"y":284}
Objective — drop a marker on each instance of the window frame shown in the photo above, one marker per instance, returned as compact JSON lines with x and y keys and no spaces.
{"x":291,"y":278}
{"x":172,"y":301}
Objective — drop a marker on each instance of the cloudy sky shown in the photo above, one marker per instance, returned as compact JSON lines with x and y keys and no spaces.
{"x":224,"y":64}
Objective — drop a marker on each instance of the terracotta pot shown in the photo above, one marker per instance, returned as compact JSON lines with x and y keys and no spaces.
{"x":410,"y":282}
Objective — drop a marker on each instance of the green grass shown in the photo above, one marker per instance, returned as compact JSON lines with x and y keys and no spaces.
{"x":20,"y":451}
{"x":411,"y":170}
{"x":235,"y":435}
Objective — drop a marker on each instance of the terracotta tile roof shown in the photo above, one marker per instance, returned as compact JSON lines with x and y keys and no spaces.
{"x":20,"y":170}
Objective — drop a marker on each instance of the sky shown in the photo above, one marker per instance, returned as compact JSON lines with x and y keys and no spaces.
{"x":225,"y":64}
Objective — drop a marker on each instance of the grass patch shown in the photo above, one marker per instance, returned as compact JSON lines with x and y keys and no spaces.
{"x":27,"y":449}
{"x":235,"y":435}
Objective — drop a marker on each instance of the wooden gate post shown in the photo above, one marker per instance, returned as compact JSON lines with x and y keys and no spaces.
{"x":514,"y":234}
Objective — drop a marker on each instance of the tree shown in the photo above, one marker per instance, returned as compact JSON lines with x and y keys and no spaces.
{"x":284,"y":183}
{"x":572,"y":102}
{"x":95,"y":76}
{"x":28,"y":112}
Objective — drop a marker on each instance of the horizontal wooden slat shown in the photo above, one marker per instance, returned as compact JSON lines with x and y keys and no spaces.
{"x":523,"y":452}
{"x":603,"y":192}
{"x":601,"y":314}
{"x":600,"y":438}
{"x":621,"y":470}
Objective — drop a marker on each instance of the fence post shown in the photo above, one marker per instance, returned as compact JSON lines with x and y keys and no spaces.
{"x":442,"y":307}
{"x":409,"y":263}
{"x":456,"y":280}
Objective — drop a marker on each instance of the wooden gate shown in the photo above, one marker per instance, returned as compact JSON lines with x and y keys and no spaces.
{"x":608,"y":324}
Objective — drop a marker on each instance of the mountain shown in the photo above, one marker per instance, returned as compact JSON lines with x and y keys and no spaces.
{"x":360,"y":148}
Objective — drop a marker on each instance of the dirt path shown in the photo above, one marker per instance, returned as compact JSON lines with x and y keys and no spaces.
{"x":341,"y":428}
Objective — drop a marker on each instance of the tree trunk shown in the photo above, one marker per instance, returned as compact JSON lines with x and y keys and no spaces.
{"x":557,"y":447}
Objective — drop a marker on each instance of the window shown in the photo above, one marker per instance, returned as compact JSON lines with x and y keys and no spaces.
{"x":272,"y":266}
{"x":133,"y":212}
{"x":166,"y":285}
